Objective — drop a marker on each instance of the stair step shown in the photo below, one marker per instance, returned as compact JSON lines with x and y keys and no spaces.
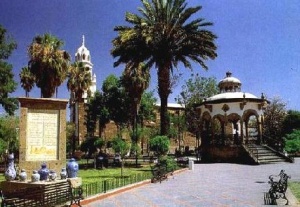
{"x":270,"y":158}
{"x":264,"y":155}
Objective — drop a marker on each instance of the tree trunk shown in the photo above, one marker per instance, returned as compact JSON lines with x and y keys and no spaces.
{"x":163,"y":115}
{"x":164,"y":92}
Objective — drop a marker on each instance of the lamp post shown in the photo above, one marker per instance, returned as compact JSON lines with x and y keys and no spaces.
{"x":179,"y":131}
{"x":135,"y":131}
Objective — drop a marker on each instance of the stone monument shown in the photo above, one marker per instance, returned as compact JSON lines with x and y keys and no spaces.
{"x":42,"y":133}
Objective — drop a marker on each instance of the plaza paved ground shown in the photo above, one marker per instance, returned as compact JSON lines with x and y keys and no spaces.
{"x":209,"y":185}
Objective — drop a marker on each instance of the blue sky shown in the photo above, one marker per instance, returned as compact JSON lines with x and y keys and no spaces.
{"x":258,"y":40}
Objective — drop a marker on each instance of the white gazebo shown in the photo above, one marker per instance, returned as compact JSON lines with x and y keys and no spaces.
{"x":232,"y":117}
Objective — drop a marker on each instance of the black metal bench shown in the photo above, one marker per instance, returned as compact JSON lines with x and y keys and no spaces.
{"x":160,"y":172}
{"x":278,"y":186}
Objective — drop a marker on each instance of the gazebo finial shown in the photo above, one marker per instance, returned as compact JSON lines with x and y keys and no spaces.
{"x":228,"y":74}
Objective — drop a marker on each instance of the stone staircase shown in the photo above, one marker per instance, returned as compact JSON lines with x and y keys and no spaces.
{"x":263,"y":155}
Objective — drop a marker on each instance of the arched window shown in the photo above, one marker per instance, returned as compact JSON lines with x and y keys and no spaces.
{"x":83,"y":57}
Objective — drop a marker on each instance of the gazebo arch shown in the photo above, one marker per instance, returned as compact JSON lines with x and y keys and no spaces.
{"x":237,"y":128}
{"x":206,"y":128}
{"x":218,"y":123}
{"x":253,"y":128}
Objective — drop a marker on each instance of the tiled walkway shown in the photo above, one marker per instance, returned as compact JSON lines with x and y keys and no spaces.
{"x":207,"y":185}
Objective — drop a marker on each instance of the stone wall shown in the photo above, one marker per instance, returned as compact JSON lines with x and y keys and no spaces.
{"x":110,"y":130}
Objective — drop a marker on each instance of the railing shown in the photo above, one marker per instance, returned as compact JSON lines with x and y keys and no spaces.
{"x":253,"y":152}
{"x":110,"y":184}
{"x":275,"y":143}
{"x":277,"y":146}
{"x":225,"y":140}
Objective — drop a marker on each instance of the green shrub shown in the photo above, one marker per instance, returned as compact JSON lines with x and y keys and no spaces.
{"x":169,"y":161}
{"x":160,"y":145}
{"x":292,"y":142}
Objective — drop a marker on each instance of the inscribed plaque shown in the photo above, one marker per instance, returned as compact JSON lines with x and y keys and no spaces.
{"x":42,"y":135}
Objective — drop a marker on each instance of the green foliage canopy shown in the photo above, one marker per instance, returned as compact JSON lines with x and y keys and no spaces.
{"x":8,"y":85}
{"x":160,"y":145}
{"x":9,"y":128}
{"x":91,"y":144}
{"x":117,"y":102}
{"x":163,"y":36}
{"x":194,"y":90}
{"x":273,"y":118}
{"x":291,"y":122}
{"x":27,"y":80}
{"x":120,"y":146}
{"x":79,"y":80}
{"x":292,"y":142}
{"x":48,"y":63}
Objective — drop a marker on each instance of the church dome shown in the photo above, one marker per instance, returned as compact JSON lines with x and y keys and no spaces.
{"x":83,"y":54}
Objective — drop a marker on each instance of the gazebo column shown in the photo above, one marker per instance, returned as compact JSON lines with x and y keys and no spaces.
{"x":223,"y":124}
{"x":259,"y":141}
{"x":242,"y":132}
{"x":247,"y":133}
{"x":212,"y":131}
{"x":262,"y":128}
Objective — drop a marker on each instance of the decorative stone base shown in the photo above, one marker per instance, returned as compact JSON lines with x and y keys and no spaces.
{"x":42,"y":134}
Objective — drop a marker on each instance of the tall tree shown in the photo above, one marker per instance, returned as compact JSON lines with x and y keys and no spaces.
{"x":162,"y":36}
{"x":79,"y":81}
{"x":48,"y":63}
{"x":135,"y":79}
{"x":117,"y":102}
{"x":194,"y":90}
{"x":147,"y":109}
{"x":274,"y":116}
{"x":100,"y":109}
{"x":8,"y":85}
{"x":27,"y":80}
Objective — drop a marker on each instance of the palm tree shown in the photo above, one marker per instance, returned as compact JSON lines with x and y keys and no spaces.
{"x":48,"y":63}
{"x":135,"y":79}
{"x":161,"y":36}
{"x":27,"y":80}
{"x":79,"y":80}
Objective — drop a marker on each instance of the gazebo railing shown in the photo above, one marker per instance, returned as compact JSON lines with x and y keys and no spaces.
{"x":277,"y":145}
{"x":253,"y":151}
{"x":227,"y":140}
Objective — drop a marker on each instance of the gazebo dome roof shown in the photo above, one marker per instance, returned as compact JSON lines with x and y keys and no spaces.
{"x":229,"y":84}
{"x":231,"y":95}
{"x":230,"y":91}
{"x":230,"y":79}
